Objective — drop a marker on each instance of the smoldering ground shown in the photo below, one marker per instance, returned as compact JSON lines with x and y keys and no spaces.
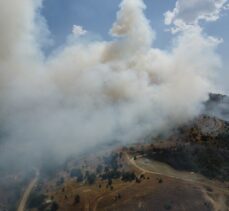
{"x":92,"y":92}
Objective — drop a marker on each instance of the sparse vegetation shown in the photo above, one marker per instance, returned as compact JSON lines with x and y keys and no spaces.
{"x":91,"y":178}
{"x":99,"y":169}
{"x":210,"y":162}
{"x":128,"y":176}
{"x":160,"y":180}
{"x":76,"y":173}
{"x":54,"y":206}
{"x":77,"y":199}
{"x":36,"y":200}
{"x":168,"y":206}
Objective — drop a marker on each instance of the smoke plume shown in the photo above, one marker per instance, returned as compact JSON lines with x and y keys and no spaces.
{"x":90,"y":93}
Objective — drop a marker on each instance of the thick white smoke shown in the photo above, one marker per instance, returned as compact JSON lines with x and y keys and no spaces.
{"x":96,"y":92}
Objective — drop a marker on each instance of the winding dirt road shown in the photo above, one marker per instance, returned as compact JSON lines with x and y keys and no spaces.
{"x":157,"y":168}
{"x":25,"y":197}
{"x":161,"y":169}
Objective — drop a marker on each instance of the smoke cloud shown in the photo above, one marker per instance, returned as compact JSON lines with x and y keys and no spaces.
{"x":96,"y":92}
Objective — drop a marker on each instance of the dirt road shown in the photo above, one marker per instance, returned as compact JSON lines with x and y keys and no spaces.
{"x":157,"y":168}
{"x":25,"y":197}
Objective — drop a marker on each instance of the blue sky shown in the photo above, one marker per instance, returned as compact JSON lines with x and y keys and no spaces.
{"x":97,"y":17}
